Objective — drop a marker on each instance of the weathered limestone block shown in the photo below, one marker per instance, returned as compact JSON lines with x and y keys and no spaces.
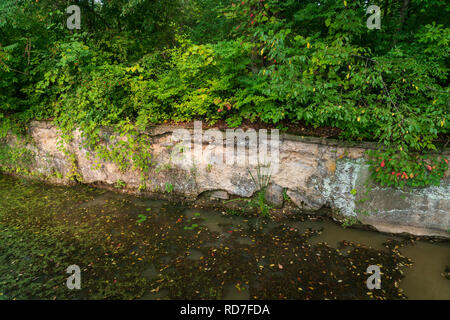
{"x":422,"y":211}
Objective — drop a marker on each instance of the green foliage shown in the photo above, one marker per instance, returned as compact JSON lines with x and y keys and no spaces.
{"x":39,"y":239}
{"x":191,"y":227}
{"x":261,"y":182}
{"x":15,"y":158}
{"x":120,"y":184}
{"x":73,"y":174}
{"x":348,"y":222}
{"x":285,"y":196}
{"x":169,"y":187}
{"x":412,"y":170}
{"x":142,"y":218}
{"x":142,"y":62}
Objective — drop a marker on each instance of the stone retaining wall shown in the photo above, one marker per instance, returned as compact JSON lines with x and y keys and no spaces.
{"x":313,"y":172}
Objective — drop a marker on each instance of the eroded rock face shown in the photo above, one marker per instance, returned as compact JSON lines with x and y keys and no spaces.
{"x":314,"y":173}
{"x":423,"y":212}
{"x":219,"y":195}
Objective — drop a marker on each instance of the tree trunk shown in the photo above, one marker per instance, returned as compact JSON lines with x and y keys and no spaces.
{"x":403,"y":13}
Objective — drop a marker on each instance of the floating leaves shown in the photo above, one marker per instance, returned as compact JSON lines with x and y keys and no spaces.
{"x":106,"y":235}
{"x":142,"y":218}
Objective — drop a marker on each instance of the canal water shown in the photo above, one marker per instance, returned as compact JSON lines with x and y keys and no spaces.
{"x":135,"y":248}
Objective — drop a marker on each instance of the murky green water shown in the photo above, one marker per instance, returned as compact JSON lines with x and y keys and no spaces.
{"x":134,"y":248}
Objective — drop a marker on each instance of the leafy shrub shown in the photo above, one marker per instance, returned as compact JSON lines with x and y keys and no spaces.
{"x":271,"y":62}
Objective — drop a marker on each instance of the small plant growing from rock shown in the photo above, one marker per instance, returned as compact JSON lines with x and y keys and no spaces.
{"x":169,"y":187}
{"x":142,"y":186}
{"x":348,"y":222}
{"x":120,"y":184}
{"x":285,"y":196}
{"x":73,"y":173}
{"x":261,"y":182}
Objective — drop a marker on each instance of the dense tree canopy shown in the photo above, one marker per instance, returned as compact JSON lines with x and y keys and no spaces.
{"x":309,"y":61}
